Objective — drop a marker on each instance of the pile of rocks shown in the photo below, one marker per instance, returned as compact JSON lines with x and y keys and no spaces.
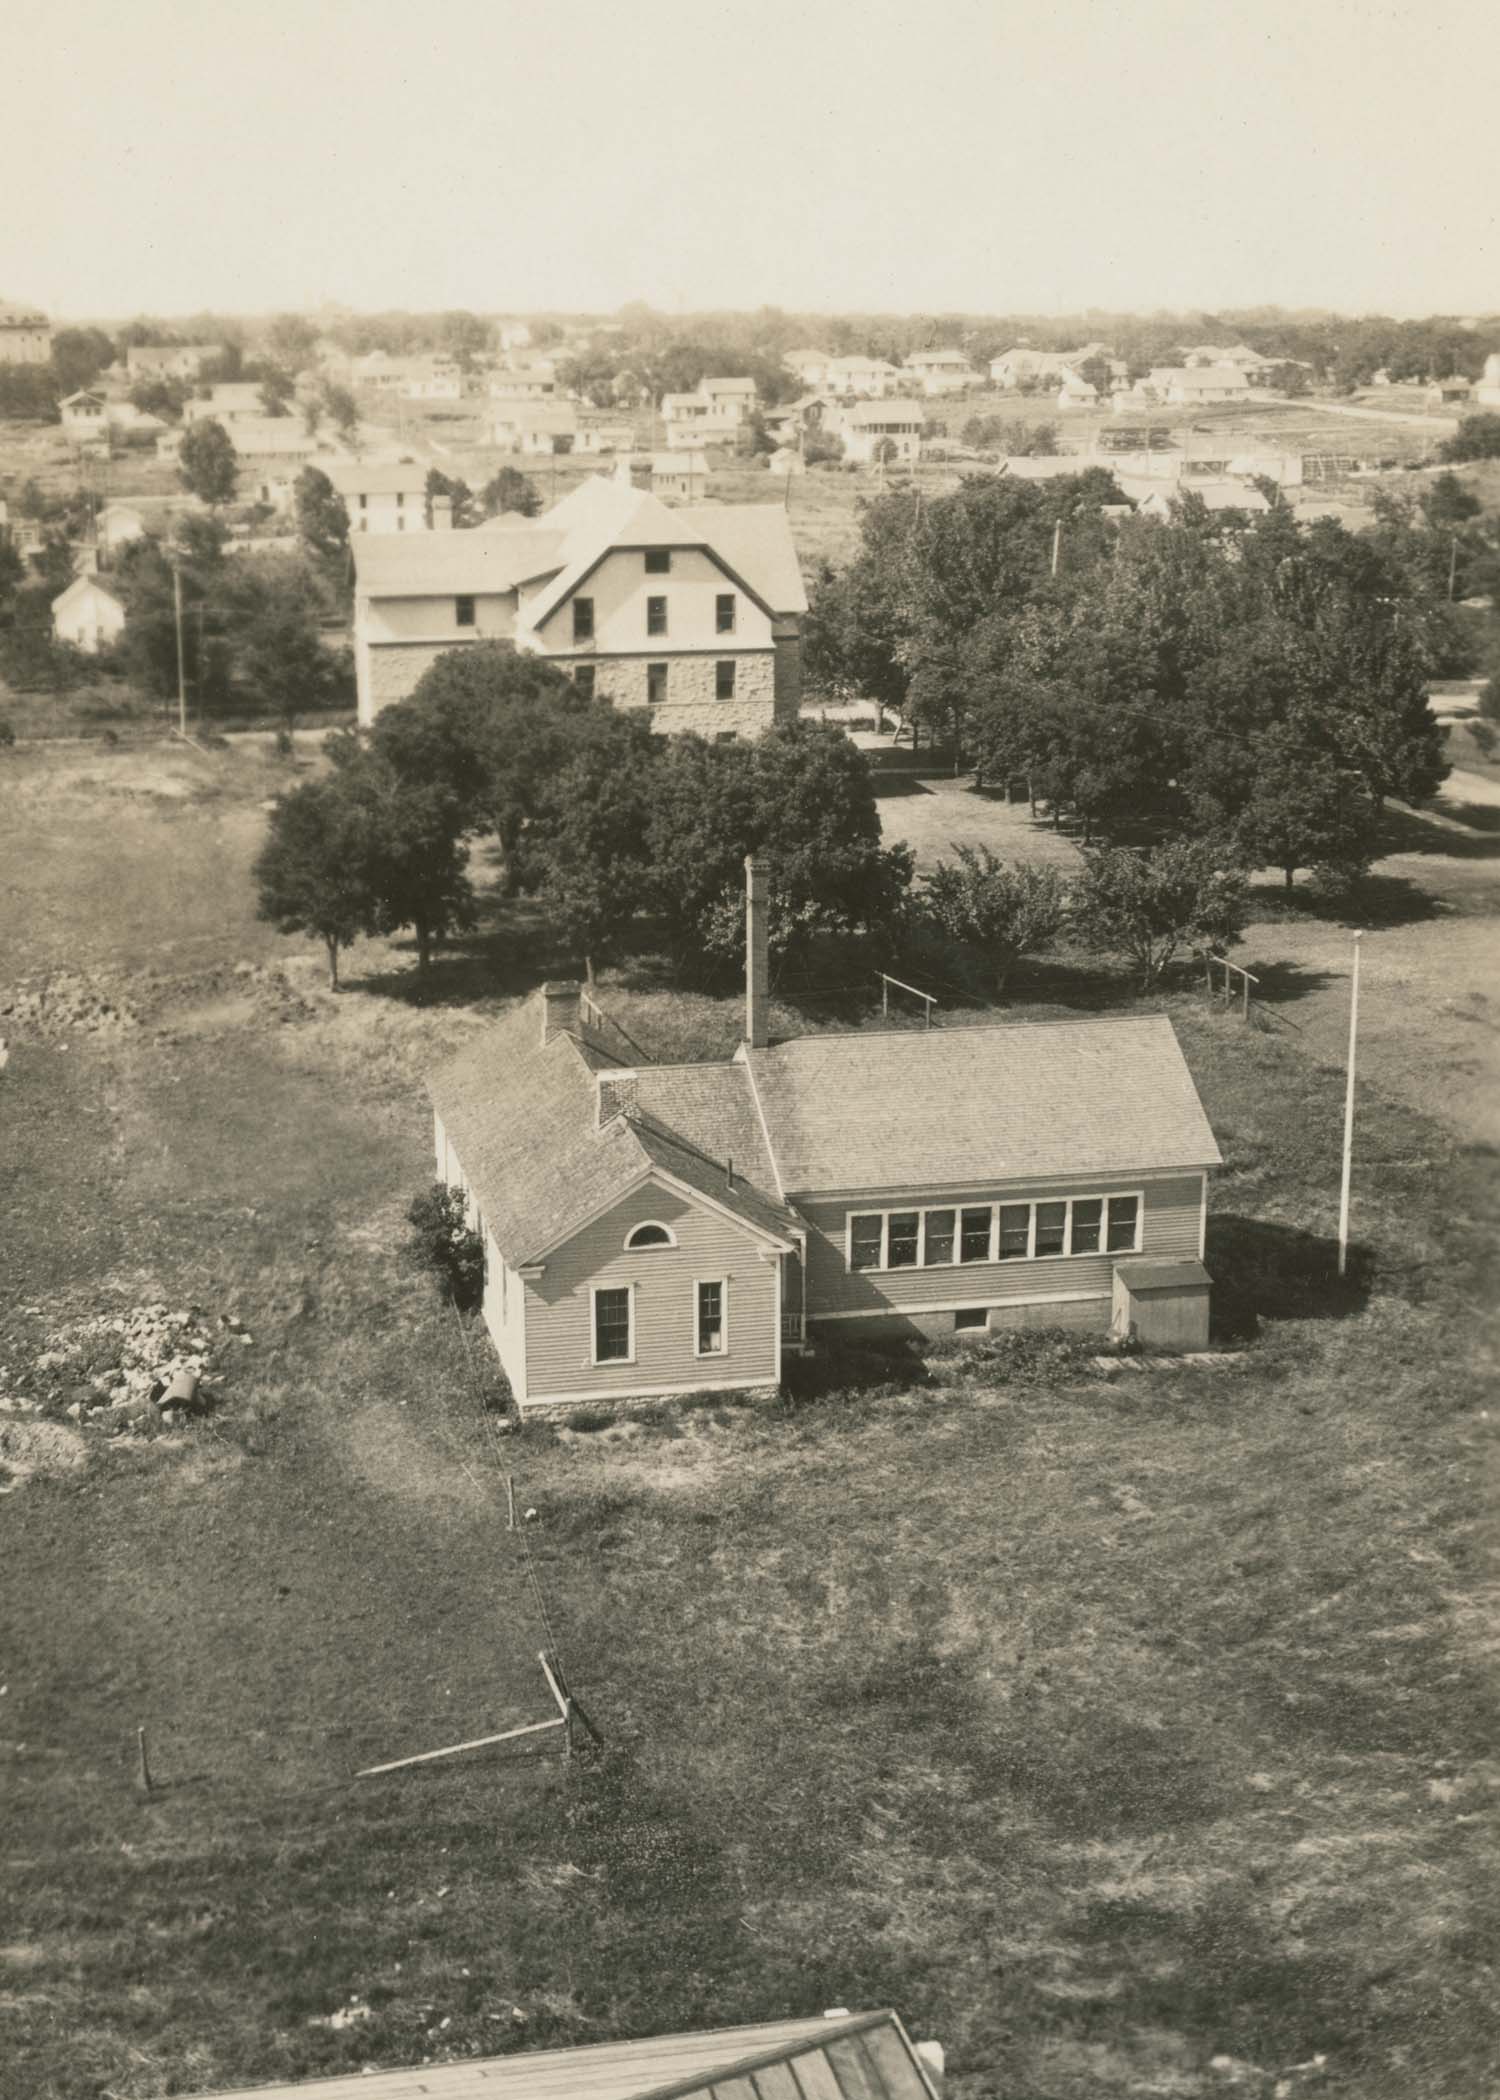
{"x":67,"y":1004}
{"x":149,"y":1363}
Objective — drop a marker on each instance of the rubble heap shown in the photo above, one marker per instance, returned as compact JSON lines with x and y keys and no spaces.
{"x":144,"y":1363}
{"x":67,"y":1004}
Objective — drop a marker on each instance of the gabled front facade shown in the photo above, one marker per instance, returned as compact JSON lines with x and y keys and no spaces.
{"x":88,"y":615}
{"x":692,"y":615}
{"x":651,"y":1230}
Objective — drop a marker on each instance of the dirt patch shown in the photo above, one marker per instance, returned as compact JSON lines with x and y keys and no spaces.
{"x":30,"y":1450}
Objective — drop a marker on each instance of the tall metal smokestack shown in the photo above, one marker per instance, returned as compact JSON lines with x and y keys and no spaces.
{"x":757,"y":955}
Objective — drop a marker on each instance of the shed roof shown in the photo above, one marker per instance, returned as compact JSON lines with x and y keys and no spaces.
{"x":1014,"y":1101}
{"x":867,"y":2057}
{"x":1155,"y":1275}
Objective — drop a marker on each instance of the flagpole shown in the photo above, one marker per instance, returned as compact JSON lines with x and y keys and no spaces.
{"x":1349,"y":1113}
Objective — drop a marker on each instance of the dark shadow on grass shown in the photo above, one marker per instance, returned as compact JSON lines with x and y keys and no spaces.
{"x":1262,"y":1270}
{"x":1278,"y":982}
{"x":509,"y":953}
{"x":1457,"y":831}
{"x":888,"y":786}
{"x":837,"y":1370}
{"x":1374,"y":900}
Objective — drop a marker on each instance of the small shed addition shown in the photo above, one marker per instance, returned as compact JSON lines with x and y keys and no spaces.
{"x":1164,"y":1304}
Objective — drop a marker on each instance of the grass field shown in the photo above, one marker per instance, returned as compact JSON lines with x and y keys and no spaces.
{"x":1106,"y":1729}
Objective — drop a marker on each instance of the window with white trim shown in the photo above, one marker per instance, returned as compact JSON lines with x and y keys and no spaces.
{"x":614,"y":1325}
{"x":711,"y":1316}
{"x":651,"y":1234}
{"x":1042,"y":1228}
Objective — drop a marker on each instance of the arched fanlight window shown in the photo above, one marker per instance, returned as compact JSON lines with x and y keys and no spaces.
{"x":650,"y":1235}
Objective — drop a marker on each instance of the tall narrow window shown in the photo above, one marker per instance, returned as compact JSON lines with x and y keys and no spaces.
{"x":583,"y":619}
{"x":724,"y":613}
{"x":724,"y":679}
{"x":1124,"y":1220}
{"x":1051,"y":1228}
{"x":656,"y":683}
{"x":866,"y":1235}
{"x":1088,"y":1215}
{"x":937,"y":1237}
{"x":656,"y":616}
{"x":712,"y":1325}
{"x":1015,"y":1231}
{"x":975,"y":1243}
{"x":612,"y":1323}
{"x":463,"y":612}
{"x":901,"y":1240}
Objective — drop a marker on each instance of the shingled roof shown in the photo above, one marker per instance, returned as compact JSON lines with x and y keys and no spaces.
{"x":524,"y":1118}
{"x":1014,"y":1102}
{"x":551,"y":1134}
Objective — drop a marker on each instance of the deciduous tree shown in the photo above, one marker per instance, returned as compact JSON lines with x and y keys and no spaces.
{"x":1146,"y":907}
{"x":207,"y":462}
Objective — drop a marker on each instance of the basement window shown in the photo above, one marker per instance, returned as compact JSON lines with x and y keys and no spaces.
{"x":972,"y":1316}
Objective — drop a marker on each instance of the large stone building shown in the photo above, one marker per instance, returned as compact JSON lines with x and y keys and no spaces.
{"x":693,"y":613}
{"x":25,"y":335}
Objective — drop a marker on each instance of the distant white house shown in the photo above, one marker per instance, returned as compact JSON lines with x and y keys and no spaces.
{"x":1487,"y":392}
{"x":515,"y":335}
{"x":84,"y":414}
{"x":116,"y":525}
{"x":169,"y":360}
{"x":787,"y":460}
{"x":537,"y":428}
{"x":230,"y":401}
{"x":941,"y":371}
{"x":810,"y":366}
{"x":1076,"y":392}
{"x":88,"y":614}
{"x":679,"y":477}
{"x":412,"y":378}
{"x":1214,"y":495}
{"x":868,"y":427}
{"x":734,"y":397}
{"x":868,"y":377}
{"x":529,"y":382}
{"x":1197,"y":386}
{"x":388,"y":496}
{"x":25,"y":335}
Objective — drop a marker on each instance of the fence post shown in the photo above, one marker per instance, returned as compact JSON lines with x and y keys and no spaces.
{"x":1245,"y":1010}
{"x":142,"y":1767}
{"x":1208,"y":973}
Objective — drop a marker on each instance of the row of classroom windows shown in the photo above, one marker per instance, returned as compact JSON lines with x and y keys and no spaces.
{"x":912,"y":1239}
{"x":658,"y":681}
{"x":656,"y":615}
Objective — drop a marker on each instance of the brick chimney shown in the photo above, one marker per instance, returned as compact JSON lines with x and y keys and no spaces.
{"x":757,"y":954}
{"x":560,"y":1010}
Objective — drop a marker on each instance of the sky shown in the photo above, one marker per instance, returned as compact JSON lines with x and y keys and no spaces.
{"x":1008,"y":156}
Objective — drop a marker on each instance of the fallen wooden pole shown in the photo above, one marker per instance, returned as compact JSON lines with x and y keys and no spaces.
{"x":142,"y":1765}
{"x":479,"y":1742}
{"x":557,"y":1693}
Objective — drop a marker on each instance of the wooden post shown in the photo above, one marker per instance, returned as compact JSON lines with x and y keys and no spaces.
{"x":142,"y":1767}
{"x":1245,"y":1009}
{"x":1349,"y":1115}
{"x":510,"y":1503}
{"x":1208,"y":973}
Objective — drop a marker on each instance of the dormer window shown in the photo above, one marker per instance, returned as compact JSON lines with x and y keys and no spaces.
{"x":649,"y":1235}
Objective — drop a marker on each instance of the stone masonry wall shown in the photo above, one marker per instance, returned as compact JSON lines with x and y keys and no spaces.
{"x":690,"y":702}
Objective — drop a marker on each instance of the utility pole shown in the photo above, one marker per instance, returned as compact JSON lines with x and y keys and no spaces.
{"x":1452,"y":565}
{"x":1056,"y":544}
{"x":1349,"y":1113}
{"x":177,"y":624}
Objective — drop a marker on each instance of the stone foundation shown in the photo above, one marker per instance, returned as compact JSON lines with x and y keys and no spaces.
{"x":1085,"y":1315}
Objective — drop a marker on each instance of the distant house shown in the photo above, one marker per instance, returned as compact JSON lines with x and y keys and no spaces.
{"x":88,"y":614}
{"x":412,"y":378}
{"x":1443,"y":391}
{"x":601,"y":435}
{"x":535,"y":382}
{"x":85,"y":414}
{"x":116,"y":525}
{"x":514,"y":335}
{"x":787,"y":460}
{"x":1487,"y":392}
{"x":868,"y":377}
{"x":230,"y":401}
{"x":382,"y":496}
{"x":1215,"y":495}
{"x":694,"y":421}
{"x":651,"y":1230}
{"x":941,"y":371}
{"x":693,"y":614}
{"x":1076,"y":392}
{"x":810,"y":366}
{"x":25,"y":335}
{"x":866,"y":2056}
{"x":169,"y":360}
{"x":868,"y":427}
{"x":734,"y":397}
{"x":536,"y":427}
{"x":1197,"y":386}
{"x":679,"y":477}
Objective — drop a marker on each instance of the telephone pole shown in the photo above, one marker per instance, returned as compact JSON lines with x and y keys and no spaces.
{"x":177,"y":624}
{"x":1056,"y":544}
{"x":1349,"y":1113}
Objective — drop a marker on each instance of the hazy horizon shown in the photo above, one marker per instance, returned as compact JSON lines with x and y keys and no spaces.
{"x":171,"y":159}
